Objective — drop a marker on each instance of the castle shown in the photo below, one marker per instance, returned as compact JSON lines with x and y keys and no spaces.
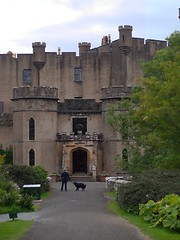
{"x":53,"y":105}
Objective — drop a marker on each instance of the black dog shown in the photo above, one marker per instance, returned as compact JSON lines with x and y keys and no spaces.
{"x":79,"y":185}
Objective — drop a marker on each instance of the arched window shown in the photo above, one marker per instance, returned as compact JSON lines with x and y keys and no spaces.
{"x":31,"y":129}
{"x":124,"y":159}
{"x":31,"y":157}
{"x":125,"y":154}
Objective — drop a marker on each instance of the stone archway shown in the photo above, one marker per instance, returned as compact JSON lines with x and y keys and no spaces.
{"x":79,"y":161}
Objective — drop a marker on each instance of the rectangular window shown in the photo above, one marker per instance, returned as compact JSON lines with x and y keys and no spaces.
{"x":27,"y":76}
{"x":1,"y":107}
{"x":78,"y":74}
{"x":79,"y":125}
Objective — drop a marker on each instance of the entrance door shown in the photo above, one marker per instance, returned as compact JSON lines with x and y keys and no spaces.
{"x":79,"y":161}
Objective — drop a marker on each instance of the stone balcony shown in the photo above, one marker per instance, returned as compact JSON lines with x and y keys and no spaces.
{"x":63,"y":137}
{"x":36,"y":92}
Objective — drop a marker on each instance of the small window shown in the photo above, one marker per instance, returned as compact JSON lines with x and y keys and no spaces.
{"x":78,"y":74}
{"x":124,"y":129}
{"x":31,"y":157}
{"x":124,"y":159}
{"x":31,"y":129}
{"x":27,"y":76}
{"x":1,"y":107}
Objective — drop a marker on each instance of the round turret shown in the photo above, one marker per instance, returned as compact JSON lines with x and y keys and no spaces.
{"x":39,"y":57}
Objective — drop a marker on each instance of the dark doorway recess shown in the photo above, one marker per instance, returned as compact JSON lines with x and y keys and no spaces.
{"x":79,"y":161}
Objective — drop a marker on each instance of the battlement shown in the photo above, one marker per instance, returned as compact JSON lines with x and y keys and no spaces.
{"x":84,"y":44}
{"x":125,"y":27}
{"x":39,"y":44}
{"x":36,"y":92}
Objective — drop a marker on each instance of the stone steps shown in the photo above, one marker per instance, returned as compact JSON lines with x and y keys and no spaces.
{"x":81,"y":178}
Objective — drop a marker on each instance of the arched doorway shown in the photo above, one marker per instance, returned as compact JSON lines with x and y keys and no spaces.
{"x":79,"y":160}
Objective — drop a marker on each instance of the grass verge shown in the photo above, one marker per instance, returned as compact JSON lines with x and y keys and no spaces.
{"x":157,"y":233}
{"x":14,"y":230}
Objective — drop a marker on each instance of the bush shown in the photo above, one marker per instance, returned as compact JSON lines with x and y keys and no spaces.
{"x":41,"y":175}
{"x":152,"y":185}
{"x":9,"y":198}
{"x":6,"y":155}
{"x":26,"y":202}
{"x":165,"y":212}
{"x":27,"y":175}
{"x":19,"y":174}
{"x":9,"y":193}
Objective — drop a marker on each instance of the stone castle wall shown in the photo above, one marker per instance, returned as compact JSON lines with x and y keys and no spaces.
{"x":54,"y":88}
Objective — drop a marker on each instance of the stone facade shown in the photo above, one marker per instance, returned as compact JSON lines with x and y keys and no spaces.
{"x":53,"y":105}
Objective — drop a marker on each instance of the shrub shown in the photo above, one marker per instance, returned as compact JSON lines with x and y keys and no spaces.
{"x":9,"y":193}
{"x":152,"y":185}
{"x":27,"y":175}
{"x":6,"y":156}
{"x":9,"y":155}
{"x":26,"y":202}
{"x":9,"y":198}
{"x":41,"y":175}
{"x":19,"y":174}
{"x":165,"y":212}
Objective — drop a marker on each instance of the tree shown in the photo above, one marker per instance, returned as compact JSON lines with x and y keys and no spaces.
{"x":150,"y":120}
{"x":6,"y":156}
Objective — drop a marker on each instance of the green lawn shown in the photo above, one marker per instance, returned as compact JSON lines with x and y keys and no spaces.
{"x":14,"y":230}
{"x":153,"y":233}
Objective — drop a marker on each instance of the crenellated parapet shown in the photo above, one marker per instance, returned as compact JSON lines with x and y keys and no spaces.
{"x":36,"y":92}
{"x":116,"y":92}
{"x":151,"y":46}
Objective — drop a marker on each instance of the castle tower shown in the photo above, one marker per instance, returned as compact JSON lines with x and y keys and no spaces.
{"x":35,"y":118}
{"x":125,"y":39}
{"x":39,"y":57}
{"x":35,"y":126}
{"x":125,"y":47}
{"x":84,"y":47}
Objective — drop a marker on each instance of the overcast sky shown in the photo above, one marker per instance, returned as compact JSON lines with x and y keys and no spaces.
{"x":65,"y":23}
